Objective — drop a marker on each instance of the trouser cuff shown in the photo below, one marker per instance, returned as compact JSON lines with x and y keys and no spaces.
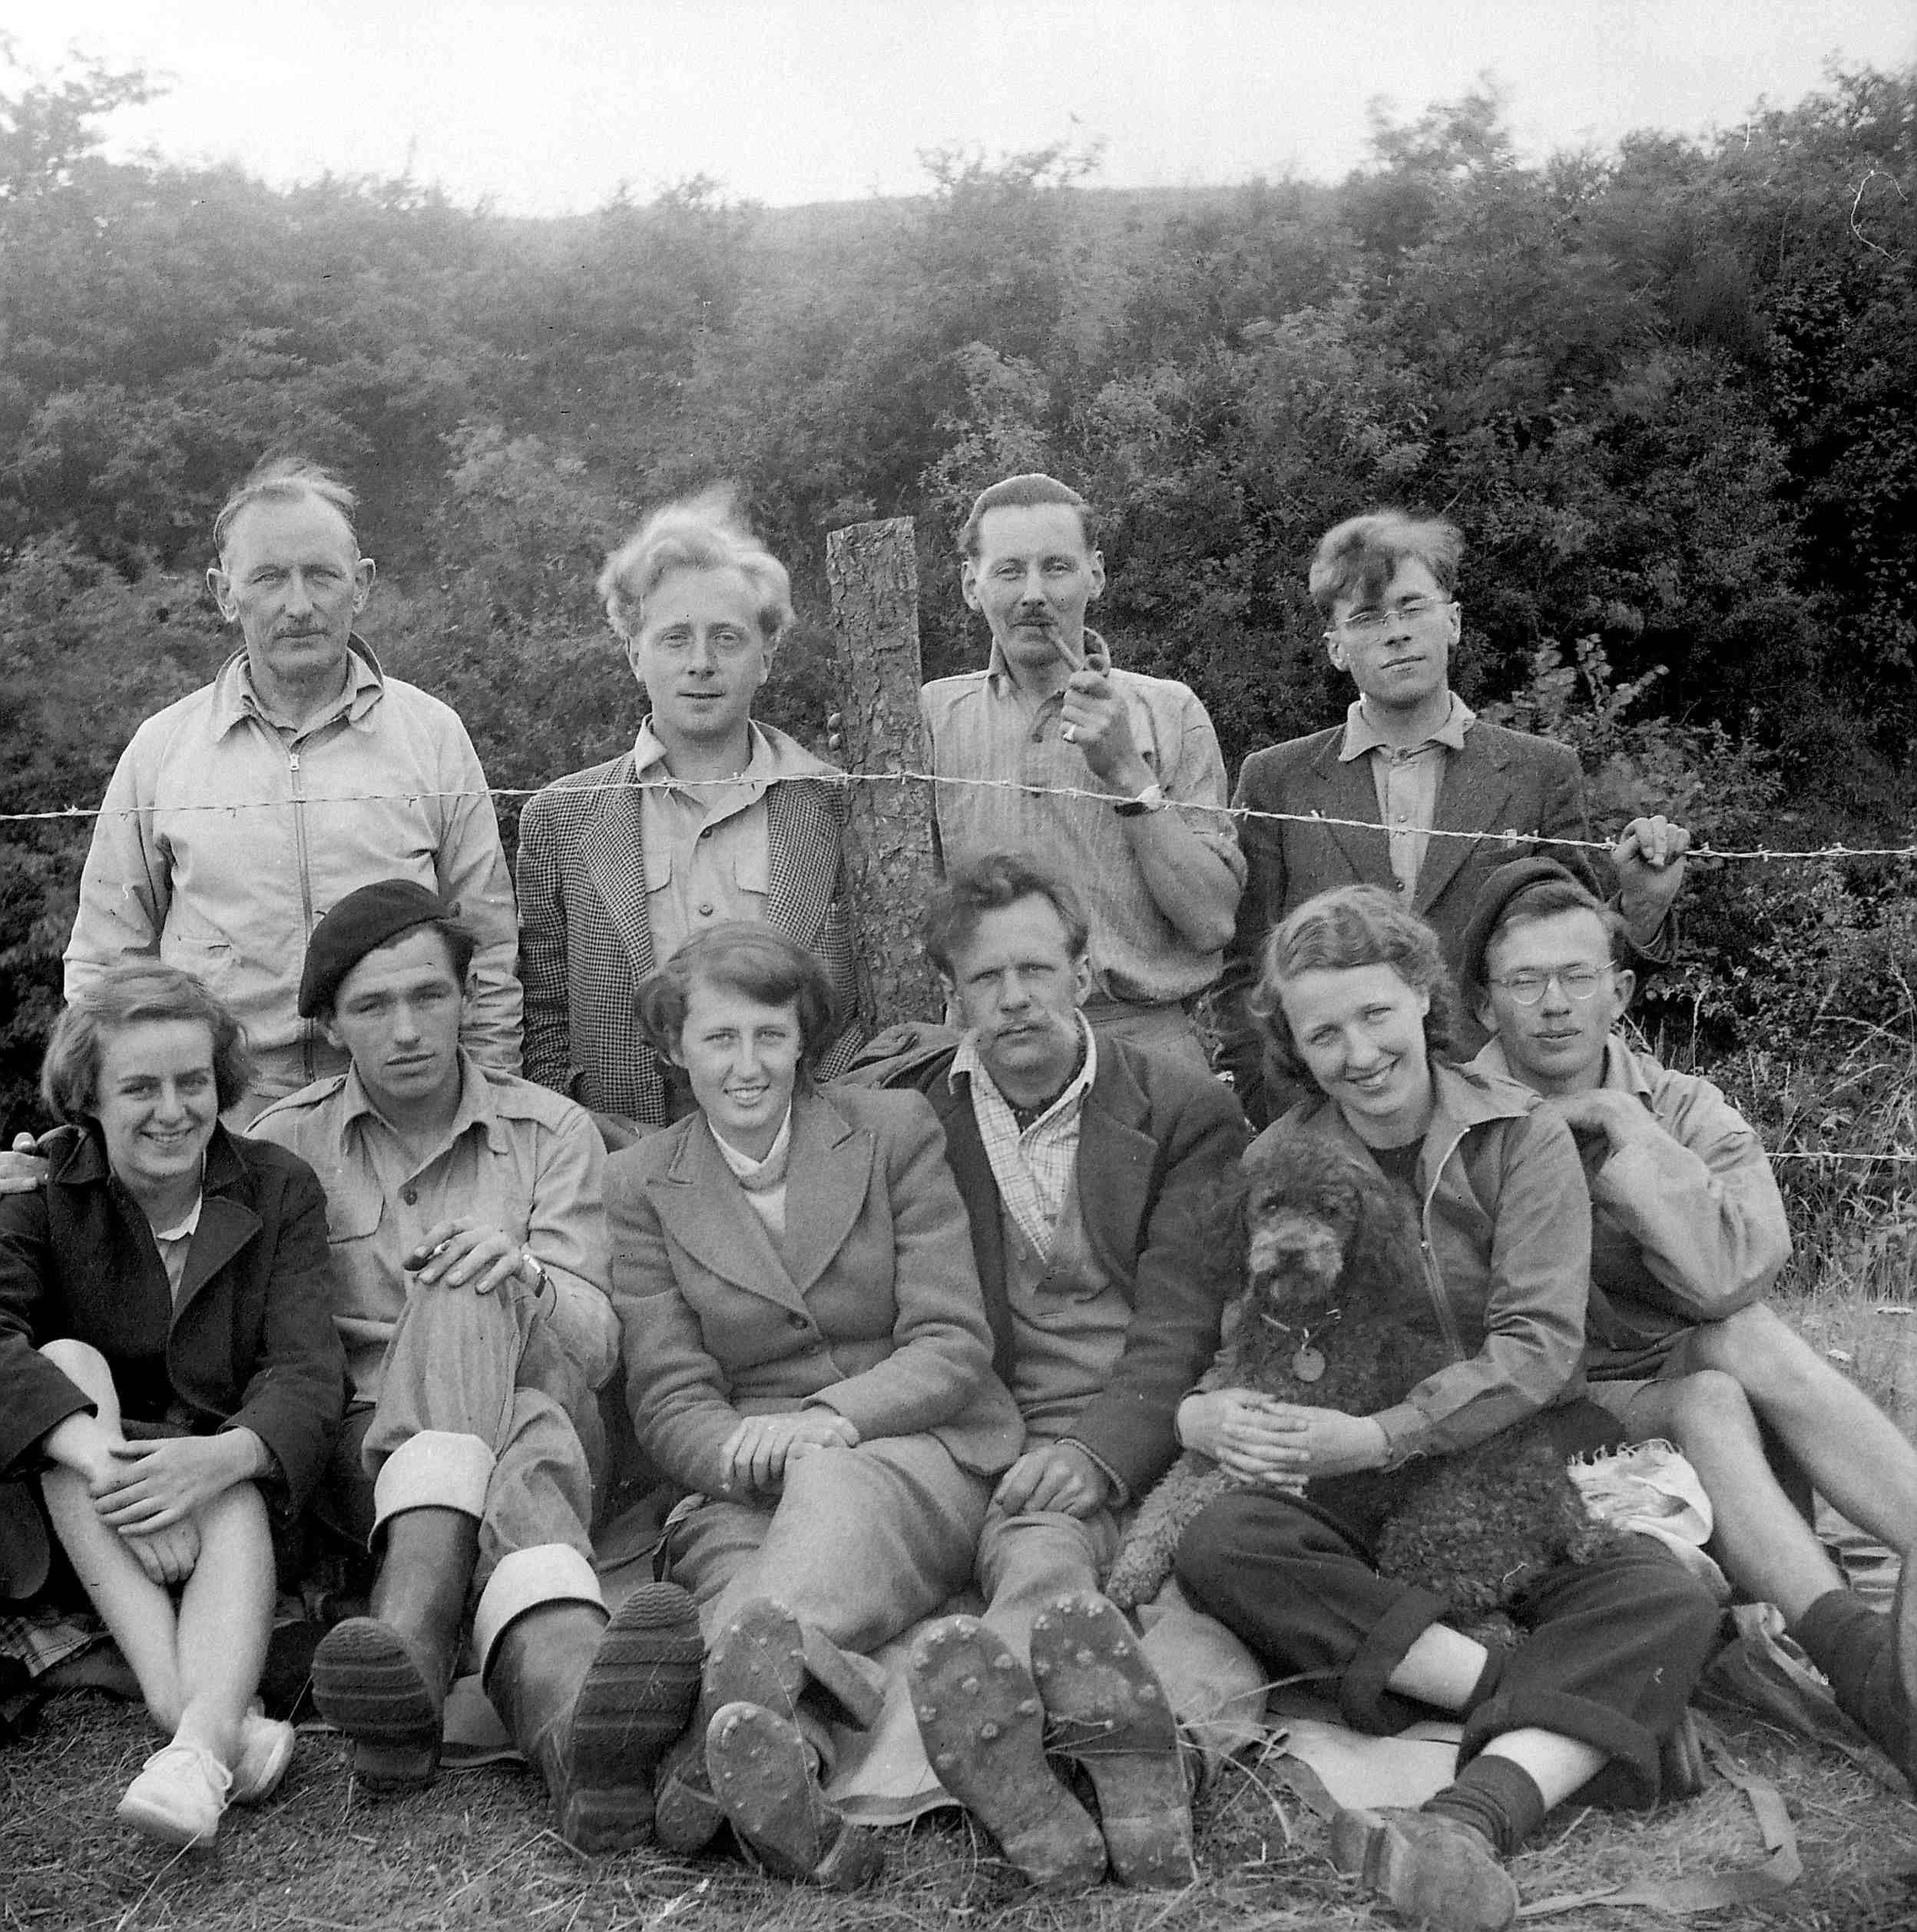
{"x":435,"y":1469}
{"x":1630,"y":1777}
{"x":1363,"y":1701}
{"x":549,"y":1573}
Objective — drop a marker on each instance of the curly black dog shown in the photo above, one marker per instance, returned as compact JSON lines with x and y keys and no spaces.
{"x":1334,"y":1313}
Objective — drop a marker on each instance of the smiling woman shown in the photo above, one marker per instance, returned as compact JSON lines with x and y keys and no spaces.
{"x":167,"y":1357}
{"x":808,"y":1360}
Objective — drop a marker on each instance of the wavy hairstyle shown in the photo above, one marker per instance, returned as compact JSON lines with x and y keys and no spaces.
{"x":739,"y":956}
{"x":1350,"y":926}
{"x":707,"y":532}
{"x":1357,"y":558}
{"x":991,"y":883}
{"x":133,"y":995}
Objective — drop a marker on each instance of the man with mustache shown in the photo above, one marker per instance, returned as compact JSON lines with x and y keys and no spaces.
{"x":238,"y":815}
{"x":1148,"y":847}
{"x":1089,"y":1169}
{"x":1413,"y":762}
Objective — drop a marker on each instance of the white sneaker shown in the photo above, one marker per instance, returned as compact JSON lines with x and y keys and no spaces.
{"x":266,"y":1749}
{"x":178,"y":1796}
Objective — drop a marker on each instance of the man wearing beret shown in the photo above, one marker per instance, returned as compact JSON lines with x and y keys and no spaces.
{"x":471,"y":1264}
{"x":1688,"y":1233}
{"x":1414,"y":792}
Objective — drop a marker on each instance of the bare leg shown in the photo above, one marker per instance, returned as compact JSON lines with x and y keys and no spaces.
{"x":1856,"y":1457}
{"x":225,"y":1620}
{"x":1767,"y":1549}
{"x":1442,"y":1668}
{"x":138,"y":1611}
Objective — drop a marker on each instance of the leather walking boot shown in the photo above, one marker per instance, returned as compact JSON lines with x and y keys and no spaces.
{"x":382,"y":1678}
{"x":593,"y":1705}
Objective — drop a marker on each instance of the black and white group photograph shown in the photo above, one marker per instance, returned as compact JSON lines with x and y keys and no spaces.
{"x":957,"y":965}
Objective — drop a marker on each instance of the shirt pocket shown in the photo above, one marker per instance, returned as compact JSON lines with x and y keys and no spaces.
{"x":197,"y":946}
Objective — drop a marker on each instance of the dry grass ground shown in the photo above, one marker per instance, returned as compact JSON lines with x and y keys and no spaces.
{"x":471,"y":1853}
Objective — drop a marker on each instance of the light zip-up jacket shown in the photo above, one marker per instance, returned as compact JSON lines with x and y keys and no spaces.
{"x":1505,"y":1235}
{"x":1687,"y":1224}
{"x":386,"y":785}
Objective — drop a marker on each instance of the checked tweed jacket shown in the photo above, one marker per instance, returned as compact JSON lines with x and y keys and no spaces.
{"x":585,"y":942}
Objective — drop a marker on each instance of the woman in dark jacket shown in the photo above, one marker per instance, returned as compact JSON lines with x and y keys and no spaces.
{"x":167,"y":1354}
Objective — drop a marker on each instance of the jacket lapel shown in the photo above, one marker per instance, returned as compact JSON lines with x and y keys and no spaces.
{"x":702,"y":1208}
{"x":1474,"y":795}
{"x":978,"y":1188}
{"x":616,"y":853}
{"x":227,"y":1223}
{"x":1343,"y":789}
{"x":1115,"y":1157}
{"x":826,"y":1184}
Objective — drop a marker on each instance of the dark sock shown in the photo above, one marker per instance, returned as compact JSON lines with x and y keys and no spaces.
{"x":1852,"y":1644}
{"x":1488,"y":1679}
{"x":1497,"y":1798}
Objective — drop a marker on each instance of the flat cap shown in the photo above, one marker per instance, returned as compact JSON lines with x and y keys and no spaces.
{"x":361,"y":921}
{"x":1500,"y":887}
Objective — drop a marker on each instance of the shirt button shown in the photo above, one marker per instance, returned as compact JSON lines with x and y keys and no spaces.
{"x":705,"y":910}
{"x":1399,"y":883}
{"x":705,"y":832}
{"x":411,"y":1196}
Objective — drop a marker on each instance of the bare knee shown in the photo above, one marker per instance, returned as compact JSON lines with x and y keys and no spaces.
{"x":89,"y":1371}
{"x":1767,"y":1357}
{"x":1708,"y":1410}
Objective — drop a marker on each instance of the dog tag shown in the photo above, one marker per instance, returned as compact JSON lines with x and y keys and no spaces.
{"x":1309,"y":1364}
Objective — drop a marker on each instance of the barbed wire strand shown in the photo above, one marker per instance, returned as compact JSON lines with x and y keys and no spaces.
{"x":1763,"y":855}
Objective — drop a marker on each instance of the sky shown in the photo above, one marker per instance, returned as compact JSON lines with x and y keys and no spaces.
{"x":547,"y":106}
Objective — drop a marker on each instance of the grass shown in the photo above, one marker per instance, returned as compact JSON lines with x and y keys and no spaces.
{"x":471,"y":1852}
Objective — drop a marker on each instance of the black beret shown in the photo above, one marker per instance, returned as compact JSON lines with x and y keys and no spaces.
{"x":1500,"y":887}
{"x":361,"y":921}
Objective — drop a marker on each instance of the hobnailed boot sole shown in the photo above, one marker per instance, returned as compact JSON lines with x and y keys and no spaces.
{"x":1110,"y":1713}
{"x":758,"y":1657}
{"x":762,"y":1774}
{"x":1439,"y":1873}
{"x":367,"y":1683}
{"x":633,"y":1703}
{"x":983,"y":1730}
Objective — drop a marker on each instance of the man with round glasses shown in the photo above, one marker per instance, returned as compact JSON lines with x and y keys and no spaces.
{"x":1688,"y":1232}
{"x":1411,"y":765}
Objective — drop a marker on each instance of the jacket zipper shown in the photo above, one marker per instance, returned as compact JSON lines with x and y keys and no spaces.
{"x":1433,"y":1282}
{"x":306,"y":1061}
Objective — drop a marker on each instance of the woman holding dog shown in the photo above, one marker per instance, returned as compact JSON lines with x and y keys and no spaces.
{"x":168,"y":1361}
{"x":1354,"y":998}
{"x":808,"y":1358}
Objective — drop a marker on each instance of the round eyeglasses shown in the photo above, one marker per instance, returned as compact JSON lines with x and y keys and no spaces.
{"x":1374,"y":624}
{"x":1527,"y":987}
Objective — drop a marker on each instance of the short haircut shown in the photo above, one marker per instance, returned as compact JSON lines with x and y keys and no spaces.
{"x":1025,"y":492}
{"x":1350,"y":926}
{"x":707,"y":532}
{"x":989,"y":885}
{"x":286,"y":479}
{"x":739,"y":956}
{"x":1546,"y":900}
{"x":136,"y":994}
{"x":1360,"y":556}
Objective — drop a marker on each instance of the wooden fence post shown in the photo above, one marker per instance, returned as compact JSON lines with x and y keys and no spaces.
{"x":873,"y":572}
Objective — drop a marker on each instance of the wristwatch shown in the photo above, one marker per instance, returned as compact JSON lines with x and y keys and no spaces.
{"x":1152,"y":799}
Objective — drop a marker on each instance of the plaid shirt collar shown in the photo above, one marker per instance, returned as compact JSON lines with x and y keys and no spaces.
{"x":1033,"y":1166}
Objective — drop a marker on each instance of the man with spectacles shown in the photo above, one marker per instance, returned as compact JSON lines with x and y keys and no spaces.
{"x":1688,"y":1232}
{"x":1411,"y":765}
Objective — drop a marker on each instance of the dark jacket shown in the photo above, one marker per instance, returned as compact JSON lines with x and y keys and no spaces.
{"x":1158,"y":1142}
{"x":251,"y":1343}
{"x":1501,"y":782}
